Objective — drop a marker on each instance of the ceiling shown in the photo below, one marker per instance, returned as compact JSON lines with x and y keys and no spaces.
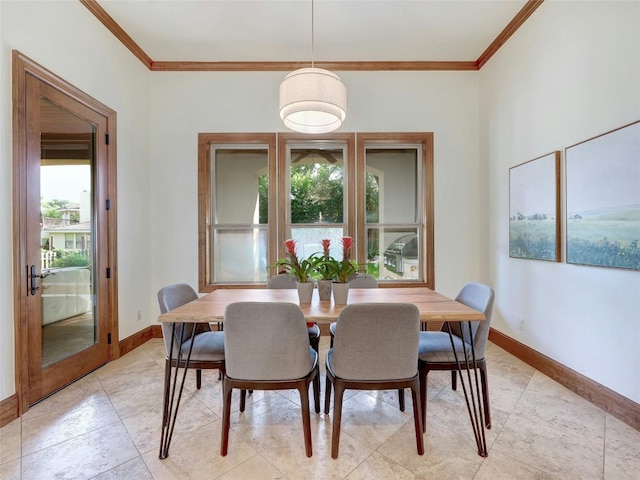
{"x":364,"y":31}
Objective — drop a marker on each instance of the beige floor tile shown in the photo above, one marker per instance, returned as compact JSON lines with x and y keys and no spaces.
{"x":286,"y":453}
{"x":145,"y":428}
{"x":370,"y":420}
{"x":196,"y":456}
{"x":448,"y":455}
{"x":255,"y":468}
{"x":501,"y":467}
{"x":579,"y":418}
{"x":553,"y":450}
{"x":11,"y":441}
{"x":82,"y":457}
{"x":622,"y":451}
{"x":377,"y":466}
{"x":59,"y":426}
{"x":620,"y":436}
{"x":68,"y":397}
{"x":132,"y":470}
{"x":107,"y":426}
{"x":10,"y":470}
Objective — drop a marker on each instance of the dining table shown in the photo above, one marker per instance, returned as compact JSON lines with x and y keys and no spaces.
{"x":434,"y":309}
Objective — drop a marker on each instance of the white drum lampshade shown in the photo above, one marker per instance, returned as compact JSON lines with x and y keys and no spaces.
{"x":313,"y":100}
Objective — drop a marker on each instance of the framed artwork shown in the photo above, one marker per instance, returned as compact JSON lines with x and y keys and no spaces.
{"x":534,"y":209}
{"x":603,"y":199}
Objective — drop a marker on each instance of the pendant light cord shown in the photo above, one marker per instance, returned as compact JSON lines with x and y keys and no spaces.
{"x":312,"y":38}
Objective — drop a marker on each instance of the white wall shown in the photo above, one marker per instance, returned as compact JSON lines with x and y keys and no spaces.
{"x":185,"y":103}
{"x":570,"y":73}
{"x":66,"y":38}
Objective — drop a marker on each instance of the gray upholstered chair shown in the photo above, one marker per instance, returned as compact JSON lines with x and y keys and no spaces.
{"x":284,"y":280}
{"x":208,"y":346}
{"x":375,"y":348}
{"x":357,"y":280}
{"x":267,"y":348}
{"x":435,"y":352}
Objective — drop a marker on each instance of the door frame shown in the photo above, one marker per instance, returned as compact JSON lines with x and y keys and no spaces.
{"x":22,"y":67}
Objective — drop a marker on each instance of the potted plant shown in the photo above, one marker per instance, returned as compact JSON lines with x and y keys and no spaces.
{"x":322,"y":265}
{"x":301,"y":270}
{"x":342,"y":270}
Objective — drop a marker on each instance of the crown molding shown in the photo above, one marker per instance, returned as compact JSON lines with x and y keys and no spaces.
{"x":188,"y":66}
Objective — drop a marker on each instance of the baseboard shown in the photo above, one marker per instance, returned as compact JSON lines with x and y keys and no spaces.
{"x":139,"y":338}
{"x":9,"y":410}
{"x":611,"y":402}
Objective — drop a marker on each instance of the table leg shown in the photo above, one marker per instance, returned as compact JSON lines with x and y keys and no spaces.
{"x":171,"y":401}
{"x":473,"y":397}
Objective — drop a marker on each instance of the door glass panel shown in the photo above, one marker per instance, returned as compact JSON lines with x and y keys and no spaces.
{"x":69,"y":323}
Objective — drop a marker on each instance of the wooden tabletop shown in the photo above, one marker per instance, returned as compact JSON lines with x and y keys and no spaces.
{"x":433,"y":306}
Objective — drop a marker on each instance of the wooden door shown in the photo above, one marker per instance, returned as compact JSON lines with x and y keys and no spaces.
{"x":65,"y":278}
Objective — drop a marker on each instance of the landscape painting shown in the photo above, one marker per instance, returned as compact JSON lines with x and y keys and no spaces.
{"x":534,"y":209}
{"x":603,"y":200}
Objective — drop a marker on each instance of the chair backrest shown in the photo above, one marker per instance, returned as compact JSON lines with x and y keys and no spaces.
{"x":282,"y":280}
{"x":479,"y":297}
{"x":363,"y":280}
{"x":376,"y":341}
{"x":170,"y":297}
{"x":266,"y":341}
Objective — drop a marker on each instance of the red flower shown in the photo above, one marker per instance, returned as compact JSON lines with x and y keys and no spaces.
{"x":291,"y":264}
{"x":347,"y":243}
{"x":290,"y":245}
{"x":325,"y":247}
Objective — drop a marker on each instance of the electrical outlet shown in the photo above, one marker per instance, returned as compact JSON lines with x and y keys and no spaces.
{"x":139,"y":315}
{"x":521,"y":324}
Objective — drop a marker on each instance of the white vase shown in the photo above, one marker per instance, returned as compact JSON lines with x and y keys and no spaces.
{"x":340,"y":293}
{"x":305,"y":292}
{"x":324,"y":289}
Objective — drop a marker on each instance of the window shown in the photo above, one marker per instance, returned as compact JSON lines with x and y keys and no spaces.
{"x":396,"y":201}
{"x":315,"y":191}
{"x":251,"y":201}
{"x":235,"y":208}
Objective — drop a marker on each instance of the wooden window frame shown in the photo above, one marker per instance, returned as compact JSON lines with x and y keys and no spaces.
{"x":425,"y":141}
{"x":356,"y":145}
{"x":205,"y":140}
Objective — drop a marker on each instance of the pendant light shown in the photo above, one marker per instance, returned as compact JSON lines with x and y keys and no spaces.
{"x":313,"y":100}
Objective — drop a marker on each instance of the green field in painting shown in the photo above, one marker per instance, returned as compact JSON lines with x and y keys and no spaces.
{"x":610,"y":240}
{"x":533,"y":239}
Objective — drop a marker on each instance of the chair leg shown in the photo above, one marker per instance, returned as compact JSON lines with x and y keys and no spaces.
{"x":315,"y":344}
{"x":417,"y":416}
{"x":165,"y":405}
{"x":316,"y":390}
{"x":401,"y":399}
{"x":327,"y":396}
{"x":485,"y":392}
{"x":424,"y":371}
{"x":243,"y":399}
{"x":226,"y":414}
{"x":337,"y":418}
{"x":198,"y":378}
{"x":454,"y":380}
{"x":303,"y":388}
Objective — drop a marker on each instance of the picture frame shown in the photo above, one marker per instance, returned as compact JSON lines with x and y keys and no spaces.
{"x":535,"y":209}
{"x":603,"y":199}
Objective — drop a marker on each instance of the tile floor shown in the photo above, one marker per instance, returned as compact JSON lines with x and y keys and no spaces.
{"x":107,"y":426}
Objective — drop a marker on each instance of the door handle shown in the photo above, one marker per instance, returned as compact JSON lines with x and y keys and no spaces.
{"x":32,"y":280}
